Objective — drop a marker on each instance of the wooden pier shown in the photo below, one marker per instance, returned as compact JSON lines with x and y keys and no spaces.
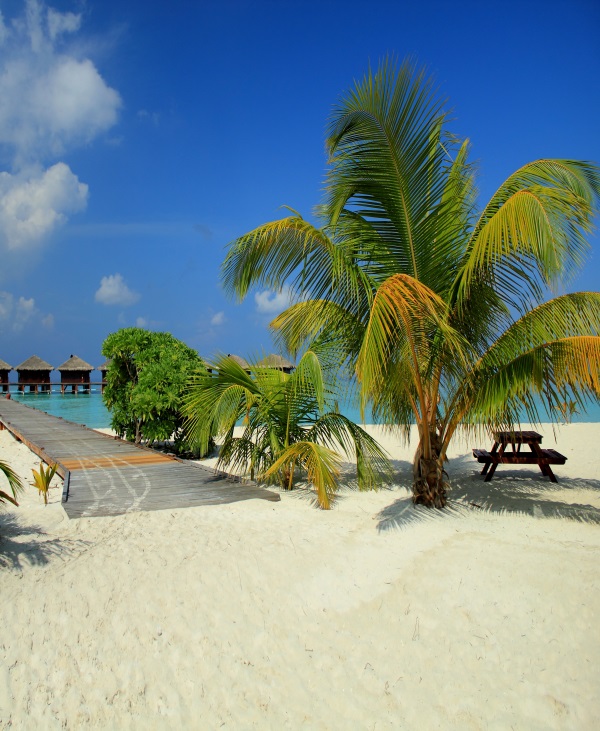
{"x":104,"y":475}
{"x":71,"y":387}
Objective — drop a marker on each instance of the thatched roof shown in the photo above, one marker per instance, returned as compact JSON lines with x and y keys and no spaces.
{"x":75,"y":364}
{"x":276,"y":361}
{"x":240,"y":361}
{"x":4,"y":366}
{"x":105,"y":366}
{"x":34,"y":364}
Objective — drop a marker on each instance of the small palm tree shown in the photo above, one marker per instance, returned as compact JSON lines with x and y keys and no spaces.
{"x":440,"y":309}
{"x":14,"y":482}
{"x":288,"y":422}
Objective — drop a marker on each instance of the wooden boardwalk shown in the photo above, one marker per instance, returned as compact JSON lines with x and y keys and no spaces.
{"x":104,"y":475}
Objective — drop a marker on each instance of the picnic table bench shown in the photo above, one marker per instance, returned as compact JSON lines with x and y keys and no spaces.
{"x":536,"y":455}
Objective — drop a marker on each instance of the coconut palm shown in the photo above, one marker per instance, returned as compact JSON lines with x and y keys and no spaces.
{"x":14,"y":482}
{"x":442,"y":310}
{"x":289,"y":422}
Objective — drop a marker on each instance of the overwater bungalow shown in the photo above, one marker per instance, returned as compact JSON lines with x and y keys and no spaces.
{"x":240,"y":361}
{"x":75,"y":375}
{"x":4,"y":371}
{"x":103,"y":371}
{"x":34,"y":375}
{"x":277,"y":362}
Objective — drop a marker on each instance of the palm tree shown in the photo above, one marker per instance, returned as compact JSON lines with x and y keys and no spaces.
{"x":440,"y":309}
{"x":287,"y":422}
{"x":14,"y":482}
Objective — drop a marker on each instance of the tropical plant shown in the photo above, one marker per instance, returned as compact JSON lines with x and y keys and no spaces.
{"x":14,"y":482}
{"x":145,"y":383}
{"x":289,"y":421}
{"x":439,"y":308}
{"x":43,"y":478}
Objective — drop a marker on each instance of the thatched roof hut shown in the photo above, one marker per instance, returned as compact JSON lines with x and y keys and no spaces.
{"x":240,"y":361}
{"x":34,"y":363}
{"x":278,"y":362}
{"x":75,"y":363}
{"x":4,"y":369}
{"x":103,"y":371}
{"x":34,"y":372}
{"x":75,"y":372}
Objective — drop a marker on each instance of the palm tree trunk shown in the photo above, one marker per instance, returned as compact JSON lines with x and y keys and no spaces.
{"x":429,"y":477}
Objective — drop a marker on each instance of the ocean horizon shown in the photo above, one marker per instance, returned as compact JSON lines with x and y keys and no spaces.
{"x":89,"y":409}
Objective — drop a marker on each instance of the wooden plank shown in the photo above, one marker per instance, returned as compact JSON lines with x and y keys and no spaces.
{"x":107,"y":476}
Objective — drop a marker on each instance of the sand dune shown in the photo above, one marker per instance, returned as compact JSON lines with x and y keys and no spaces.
{"x":374,"y":615}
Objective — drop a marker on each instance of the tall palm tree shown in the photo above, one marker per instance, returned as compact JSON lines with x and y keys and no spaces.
{"x":289,"y":422}
{"x":14,"y":482}
{"x":440,"y":309}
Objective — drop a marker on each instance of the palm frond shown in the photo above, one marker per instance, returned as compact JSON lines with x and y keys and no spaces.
{"x":406,"y":319}
{"x":275,"y":252}
{"x":530,"y":343}
{"x":14,"y":482}
{"x":322,"y":467}
{"x":336,"y":431}
{"x":561,"y":370}
{"x":216,"y":400}
{"x":532,"y":232}
{"x":386,"y":160}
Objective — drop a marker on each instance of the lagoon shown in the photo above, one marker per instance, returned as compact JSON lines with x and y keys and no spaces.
{"x":89,"y":409}
{"x":82,"y":408}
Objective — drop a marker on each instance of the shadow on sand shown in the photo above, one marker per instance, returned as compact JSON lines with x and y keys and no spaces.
{"x":523,"y":491}
{"x":24,"y":546}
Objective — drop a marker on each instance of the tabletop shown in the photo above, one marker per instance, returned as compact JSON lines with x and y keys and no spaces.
{"x":518,"y":437}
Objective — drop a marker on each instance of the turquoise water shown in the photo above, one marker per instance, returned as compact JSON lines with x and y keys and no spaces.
{"x":82,"y":408}
{"x":592,"y":414}
{"x":89,"y":409}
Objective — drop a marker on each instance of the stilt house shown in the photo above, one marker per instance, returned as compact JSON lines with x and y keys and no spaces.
{"x":240,"y":361}
{"x":103,"y":371}
{"x":75,"y":375}
{"x":277,"y":362}
{"x":34,"y":375}
{"x":4,"y":371}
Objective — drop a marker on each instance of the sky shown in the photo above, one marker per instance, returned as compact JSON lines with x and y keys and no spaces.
{"x":138,"y":138}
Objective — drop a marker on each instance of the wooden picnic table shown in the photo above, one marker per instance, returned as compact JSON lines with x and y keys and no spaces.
{"x":500,"y":455}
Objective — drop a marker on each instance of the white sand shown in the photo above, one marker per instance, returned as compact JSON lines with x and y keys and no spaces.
{"x":260,"y":615}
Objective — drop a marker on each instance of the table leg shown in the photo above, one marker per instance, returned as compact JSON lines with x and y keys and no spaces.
{"x":546,"y":470}
{"x":490,"y":474}
{"x":488,"y":464}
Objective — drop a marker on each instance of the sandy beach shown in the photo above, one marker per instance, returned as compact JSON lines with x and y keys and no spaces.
{"x":374,"y":615}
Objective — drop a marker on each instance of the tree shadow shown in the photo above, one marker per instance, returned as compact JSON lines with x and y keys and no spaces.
{"x":521,"y":491}
{"x":402,"y":471}
{"x":23,"y":546}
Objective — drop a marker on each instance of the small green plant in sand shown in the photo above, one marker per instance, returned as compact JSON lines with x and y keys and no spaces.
{"x":43,"y":478}
{"x":14,"y":482}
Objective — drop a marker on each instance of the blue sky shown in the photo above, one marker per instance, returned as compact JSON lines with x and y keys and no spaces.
{"x":139,"y":137}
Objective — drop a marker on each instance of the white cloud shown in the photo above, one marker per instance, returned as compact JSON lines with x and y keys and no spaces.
{"x":51,"y":99}
{"x":15,"y":314}
{"x":33,"y":204}
{"x":141,"y":322}
{"x":218,"y":319}
{"x":59,"y":23}
{"x":48,"y":322}
{"x":270,"y":302}
{"x":114,"y":291}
